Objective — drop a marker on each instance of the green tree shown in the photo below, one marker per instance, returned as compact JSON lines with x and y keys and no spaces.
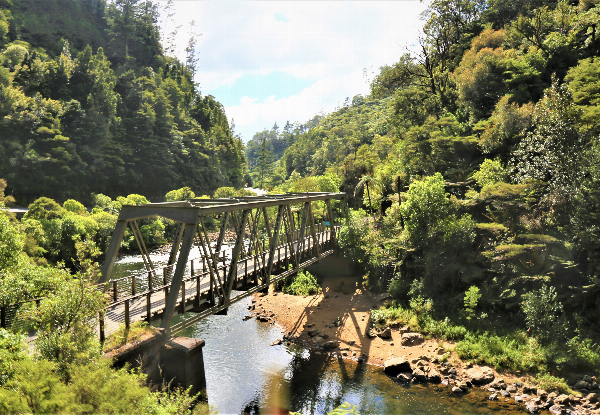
{"x":264,"y":167}
{"x":553,"y":151}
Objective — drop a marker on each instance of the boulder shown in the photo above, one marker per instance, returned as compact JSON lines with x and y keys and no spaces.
{"x":556,"y":410}
{"x":371,"y":333}
{"x":518,"y":399}
{"x":562,"y":399}
{"x":480,"y":375}
{"x":411,"y":339}
{"x":493,"y":397}
{"x":511,"y":389}
{"x":592,"y":397}
{"x":582,"y":384}
{"x":532,"y":408}
{"x":385,"y":333}
{"x":434,"y":376}
{"x":396,"y":365}
{"x":504,"y":393}
{"x":420,"y":375}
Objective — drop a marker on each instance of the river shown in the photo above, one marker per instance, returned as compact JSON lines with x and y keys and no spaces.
{"x":238,"y":357}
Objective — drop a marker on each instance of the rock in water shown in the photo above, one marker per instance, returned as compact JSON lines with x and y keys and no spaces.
{"x":396,"y":365}
{"x":480,"y":375}
{"x":456,"y":390}
{"x":411,"y":339}
{"x":434,"y":377}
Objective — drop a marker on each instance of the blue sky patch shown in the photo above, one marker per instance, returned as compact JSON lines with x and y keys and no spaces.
{"x":281,"y":18}
{"x":277,"y":83}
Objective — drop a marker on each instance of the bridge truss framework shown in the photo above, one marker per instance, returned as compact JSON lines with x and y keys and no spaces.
{"x":260,"y":223}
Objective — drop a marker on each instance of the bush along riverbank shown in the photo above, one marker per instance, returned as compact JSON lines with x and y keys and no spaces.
{"x":412,"y":345}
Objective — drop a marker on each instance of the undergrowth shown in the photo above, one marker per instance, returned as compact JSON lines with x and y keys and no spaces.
{"x":123,"y":335}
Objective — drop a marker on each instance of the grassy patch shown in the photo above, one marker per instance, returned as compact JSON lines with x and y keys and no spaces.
{"x":513,"y":352}
{"x":123,"y":336}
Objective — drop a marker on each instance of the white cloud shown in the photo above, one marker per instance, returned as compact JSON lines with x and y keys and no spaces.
{"x":328,"y":42}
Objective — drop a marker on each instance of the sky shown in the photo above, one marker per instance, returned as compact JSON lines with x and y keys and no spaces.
{"x":288,"y":60}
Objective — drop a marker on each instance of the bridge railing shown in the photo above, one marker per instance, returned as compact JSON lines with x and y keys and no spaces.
{"x":197,"y":287}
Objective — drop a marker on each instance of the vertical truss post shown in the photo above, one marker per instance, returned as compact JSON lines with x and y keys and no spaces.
{"x":290,"y":234}
{"x":267,"y":224}
{"x":222,"y":233}
{"x":113,"y":250}
{"x":176,"y":243}
{"x":313,"y":233}
{"x":235,"y":255}
{"x":273,"y":244}
{"x":186,"y":244}
{"x":330,"y":215}
{"x":302,"y":229}
{"x":213,"y":266}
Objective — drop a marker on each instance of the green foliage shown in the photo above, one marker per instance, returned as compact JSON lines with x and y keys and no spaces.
{"x":180,"y":194}
{"x":11,"y":243}
{"x":553,"y":151}
{"x":490,"y":172}
{"x":542,"y":311}
{"x":36,"y":389}
{"x":74,"y":206}
{"x":472,"y":296}
{"x":515,"y":352}
{"x":551,"y":383}
{"x":304,"y":284}
{"x":126,"y":335}
{"x":12,"y":350}
{"x":426,"y":205}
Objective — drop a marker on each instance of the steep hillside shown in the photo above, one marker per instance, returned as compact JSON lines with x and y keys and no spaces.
{"x":89,"y":103}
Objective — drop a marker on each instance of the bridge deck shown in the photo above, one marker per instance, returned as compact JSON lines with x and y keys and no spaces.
{"x":198,"y":291}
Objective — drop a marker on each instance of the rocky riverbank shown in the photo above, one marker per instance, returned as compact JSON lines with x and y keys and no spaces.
{"x":336,"y":321}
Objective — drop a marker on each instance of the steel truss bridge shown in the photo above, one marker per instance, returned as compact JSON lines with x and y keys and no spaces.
{"x":269,"y":244}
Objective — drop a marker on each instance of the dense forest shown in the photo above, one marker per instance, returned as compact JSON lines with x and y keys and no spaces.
{"x":474,"y":166}
{"x":90,"y":102}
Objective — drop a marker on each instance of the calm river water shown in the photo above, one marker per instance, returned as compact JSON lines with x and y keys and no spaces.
{"x":238,"y":357}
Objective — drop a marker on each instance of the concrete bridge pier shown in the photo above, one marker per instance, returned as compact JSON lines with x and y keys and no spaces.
{"x":176,"y":361}
{"x":182,"y":363}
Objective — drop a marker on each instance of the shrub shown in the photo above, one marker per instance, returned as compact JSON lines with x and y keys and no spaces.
{"x":542,"y":311}
{"x":552,"y":384}
{"x":490,"y":172}
{"x":303,"y":284}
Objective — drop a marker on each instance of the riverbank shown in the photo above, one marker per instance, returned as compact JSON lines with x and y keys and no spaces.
{"x":337,"y":321}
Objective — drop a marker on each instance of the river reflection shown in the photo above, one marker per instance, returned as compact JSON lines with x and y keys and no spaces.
{"x":238,"y":355}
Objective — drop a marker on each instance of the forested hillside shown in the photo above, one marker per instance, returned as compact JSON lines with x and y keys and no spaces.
{"x":90,"y":103}
{"x":476,"y":160}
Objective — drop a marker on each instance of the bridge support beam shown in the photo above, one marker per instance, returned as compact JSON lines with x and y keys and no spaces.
{"x":186,"y":244}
